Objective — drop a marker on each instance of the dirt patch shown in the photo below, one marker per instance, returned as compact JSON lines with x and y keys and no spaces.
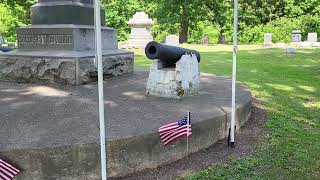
{"x":246,"y":141}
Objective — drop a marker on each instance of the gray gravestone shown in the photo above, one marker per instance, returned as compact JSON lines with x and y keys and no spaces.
{"x":312,"y":37}
{"x":140,"y":25}
{"x":296,"y":36}
{"x":267,"y":39}
{"x":62,"y":35}
{"x":205,"y":40}
{"x":291,"y":50}
{"x":172,"y":40}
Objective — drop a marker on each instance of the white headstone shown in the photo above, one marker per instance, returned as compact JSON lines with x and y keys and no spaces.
{"x":312,"y":37}
{"x":172,"y":40}
{"x":1,"y":40}
{"x":140,"y":25}
{"x":296,"y":36}
{"x":267,"y":39}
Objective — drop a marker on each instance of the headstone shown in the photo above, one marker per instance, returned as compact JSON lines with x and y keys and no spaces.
{"x":178,"y":82}
{"x":312,"y":37}
{"x":62,"y":36}
{"x":172,"y":40}
{"x":267,"y":39}
{"x":1,"y":40}
{"x":296,"y":36}
{"x":140,"y":25}
{"x":205,"y":40}
{"x":291,"y":50}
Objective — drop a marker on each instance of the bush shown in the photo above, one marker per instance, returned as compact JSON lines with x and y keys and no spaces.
{"x":204,"y":28}
{"x":8,"y":23}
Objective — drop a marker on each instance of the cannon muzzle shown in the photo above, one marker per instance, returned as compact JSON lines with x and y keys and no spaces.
{"x":167,"y":54}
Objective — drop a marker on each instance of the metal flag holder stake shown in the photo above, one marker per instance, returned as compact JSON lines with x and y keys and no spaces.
{"x":188,"y":123}
{"x":100,"y":89}
{"x":231,"y":139}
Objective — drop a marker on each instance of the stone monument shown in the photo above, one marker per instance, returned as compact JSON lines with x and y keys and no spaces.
{"x":174,"y":72}
{"x":172,"y":40}
{"x":312,"y":37}
{"x":59,"y":46}
{"x":267,"y":39}
{"x":140,"y":25}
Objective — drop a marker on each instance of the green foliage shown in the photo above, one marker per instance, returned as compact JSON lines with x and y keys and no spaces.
{"x":203,"y":28}
{"x":193,"y":19}
{"x":10,"y":20}
{"x":118,"y":13}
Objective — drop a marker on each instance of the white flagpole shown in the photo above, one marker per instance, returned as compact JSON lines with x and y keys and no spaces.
{"x":100,"y":89}
{"x":188,"y":123}
{"x":234,"y":74}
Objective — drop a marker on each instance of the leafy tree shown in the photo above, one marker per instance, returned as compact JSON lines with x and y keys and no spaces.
{"x":118,"y":13}
{"x":178,"y":16}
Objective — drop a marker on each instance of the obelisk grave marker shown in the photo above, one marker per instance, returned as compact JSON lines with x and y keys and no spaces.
{"x":59,"y":46}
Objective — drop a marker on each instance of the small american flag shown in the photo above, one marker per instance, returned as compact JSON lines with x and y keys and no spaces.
{"x":173,"y":131}
{"x":7,"y":171}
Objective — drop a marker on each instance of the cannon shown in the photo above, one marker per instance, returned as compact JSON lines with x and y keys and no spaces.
{"x":168,"y":55}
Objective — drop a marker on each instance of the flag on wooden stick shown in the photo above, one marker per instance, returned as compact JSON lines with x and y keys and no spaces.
{"x":7,"y":171}
{"x":175,"y":130}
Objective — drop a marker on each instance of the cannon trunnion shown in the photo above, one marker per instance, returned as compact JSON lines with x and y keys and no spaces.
{"x":167,"y":54}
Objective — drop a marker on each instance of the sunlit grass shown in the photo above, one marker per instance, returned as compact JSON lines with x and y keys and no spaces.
{"x":289,"y":88}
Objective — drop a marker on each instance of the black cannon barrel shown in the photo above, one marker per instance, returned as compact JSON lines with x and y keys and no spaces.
{"x":166,"y":53}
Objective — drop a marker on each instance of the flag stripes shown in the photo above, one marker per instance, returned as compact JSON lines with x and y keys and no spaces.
{"x":173,"y":131}
{"x":7,"y":171}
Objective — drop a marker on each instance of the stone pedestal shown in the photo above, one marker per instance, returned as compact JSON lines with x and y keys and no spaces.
{"x":62,"y":67}
{"x":140,"y":25}
{"x":179,"y":82}
{"x":59,"y":47}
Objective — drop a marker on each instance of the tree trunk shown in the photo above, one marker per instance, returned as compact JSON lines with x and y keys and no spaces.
{"x":184,"y":23}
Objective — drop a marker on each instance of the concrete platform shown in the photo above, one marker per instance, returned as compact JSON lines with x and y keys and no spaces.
{"x":53,"y":132}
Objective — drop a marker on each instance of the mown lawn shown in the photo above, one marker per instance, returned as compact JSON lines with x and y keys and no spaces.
{"x":289,"y":88}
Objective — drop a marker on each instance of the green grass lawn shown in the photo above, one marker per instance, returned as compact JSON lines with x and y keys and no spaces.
{"x":289,"y":88}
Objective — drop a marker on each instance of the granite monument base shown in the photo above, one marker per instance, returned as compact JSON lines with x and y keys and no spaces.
{"x":62,"y":67}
